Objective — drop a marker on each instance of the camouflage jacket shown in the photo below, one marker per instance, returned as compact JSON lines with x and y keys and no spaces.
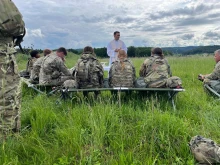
{"x":215,"y":75}
{"x":52,"y":68}
{"x":122,"y":74}
{"x":30,"y":64}
{"x":36,"y":68}
{"x":155,"y":68}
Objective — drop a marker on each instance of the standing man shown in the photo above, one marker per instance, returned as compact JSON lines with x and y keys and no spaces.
{"x":12,"y":31}
{"x":53,"y":71}
{"x":114,"y":46}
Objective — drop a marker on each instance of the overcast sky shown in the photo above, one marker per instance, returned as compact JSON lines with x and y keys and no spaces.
{"x":76,"y":24}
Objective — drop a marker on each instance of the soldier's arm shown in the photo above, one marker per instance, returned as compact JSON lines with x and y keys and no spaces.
{"x":215,"y":75}
{"x":143,"y":69}
{"x":63,"y":68}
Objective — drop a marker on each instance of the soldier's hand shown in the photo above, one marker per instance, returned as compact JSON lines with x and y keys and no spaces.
{"x":200,"y":77}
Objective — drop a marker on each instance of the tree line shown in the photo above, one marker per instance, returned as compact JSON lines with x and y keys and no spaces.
{"x":102,"y":52}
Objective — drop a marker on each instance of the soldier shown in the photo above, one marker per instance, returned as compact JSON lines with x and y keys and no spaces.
{"x":11,"y":33}
{"x":213,"y":79}
{"x":36,"y":67}
{"x":89,"y":71}
{"x":53,"y":71}
{"x":34,"y":56}
{"x":122,"y":72}
{"x":155,"y":69}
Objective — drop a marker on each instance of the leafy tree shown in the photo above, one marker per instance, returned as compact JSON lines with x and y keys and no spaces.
{"x":101,"y":52}
{"x":131,"y":51}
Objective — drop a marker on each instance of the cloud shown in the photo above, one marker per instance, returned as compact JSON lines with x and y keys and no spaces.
{"x":34,"y":33}
{"x":212,"y":35}
{"x":187,"y":36}
{"x":75,"y":24}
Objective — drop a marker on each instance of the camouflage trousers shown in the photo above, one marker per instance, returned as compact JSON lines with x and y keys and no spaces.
{"x":9,"y":95}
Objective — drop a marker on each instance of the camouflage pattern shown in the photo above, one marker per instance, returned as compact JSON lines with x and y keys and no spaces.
{"x":155,"y":71}
{"x":30,"y":64}
{"x":205,"y":150}
{"x":70,"y":84}
{"x":89,"y":72}
{"x":215,"y":75}
{"x":53,"y":71}
{"x":10,"y":88}
{"x":11,"y":23}
{"x":36,"y":69}
{"x":122,"y":74}
{"x":173,"y":82}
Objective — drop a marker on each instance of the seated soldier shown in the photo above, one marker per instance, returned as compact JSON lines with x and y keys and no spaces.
{"x":89,"y":72}
{"x":122,"y":72}
{"x":36,"y":67}
{"x":53,"y":71}
{"x":213,"y":79}
{"x":29,"y":67}
{"x":155,"y":70}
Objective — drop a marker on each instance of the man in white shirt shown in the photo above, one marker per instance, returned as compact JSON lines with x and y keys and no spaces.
{"x":114,"y":46}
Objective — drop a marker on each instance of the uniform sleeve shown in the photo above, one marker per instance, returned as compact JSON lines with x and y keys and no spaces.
{"x":215,"y":75}
{"x":63,"y":68}
{"x":110,"y":51}
{"x":143,"y":69}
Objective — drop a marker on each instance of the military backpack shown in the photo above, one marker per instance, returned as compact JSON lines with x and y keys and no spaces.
{"x":11,"y":21}
{"x":122,"y":74}
{"x":205,"y":150}
{"x":89,"y":72}
{"x":157,"y":71}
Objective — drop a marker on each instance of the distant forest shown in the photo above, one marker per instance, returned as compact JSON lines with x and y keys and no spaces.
{"x":146,"y":51}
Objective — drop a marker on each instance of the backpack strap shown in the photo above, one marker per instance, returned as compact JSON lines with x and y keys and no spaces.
{"x":150,"y":65}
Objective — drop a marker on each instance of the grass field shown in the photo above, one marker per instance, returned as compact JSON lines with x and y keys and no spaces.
{"x":144,"y":130}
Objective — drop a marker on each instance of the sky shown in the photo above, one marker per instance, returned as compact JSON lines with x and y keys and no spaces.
{"x":152,"y":23}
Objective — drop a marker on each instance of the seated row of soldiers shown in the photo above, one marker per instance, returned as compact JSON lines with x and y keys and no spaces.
{"x":88,"y":72}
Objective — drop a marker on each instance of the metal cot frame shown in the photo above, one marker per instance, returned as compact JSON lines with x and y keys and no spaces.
{"x":65,"y":92}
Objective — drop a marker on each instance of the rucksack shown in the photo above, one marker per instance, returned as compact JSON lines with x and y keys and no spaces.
{"x":140,"y":83}
{"x":89,"y":72}
{"x":122,"y":76}
{"x":11,"y":21}
{"x":157,"y":72}
{"x":204,"y":150}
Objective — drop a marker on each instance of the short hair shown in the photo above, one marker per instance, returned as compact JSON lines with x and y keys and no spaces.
{"x":88,"y":49}
{"x":62,"y":49}
{"x":34,"y":53}
{"x":218,"y":51}
{"x":46,"y":51}
{"x":116,"y":32}
{"x":158,"y":51}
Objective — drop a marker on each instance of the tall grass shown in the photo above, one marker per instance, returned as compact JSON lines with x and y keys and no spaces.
{"x":143,"y":130}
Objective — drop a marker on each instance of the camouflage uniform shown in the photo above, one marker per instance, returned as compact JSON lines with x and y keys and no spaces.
{"x":10,"y":91}
{"x":30,"y":64}
{"x":215,"y":75}
{"x":122,"y":74}
{"x":89,"y":72}
{"x":53,"y":71}
{"x":36,"y":69}
{"x":155,"y":71}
